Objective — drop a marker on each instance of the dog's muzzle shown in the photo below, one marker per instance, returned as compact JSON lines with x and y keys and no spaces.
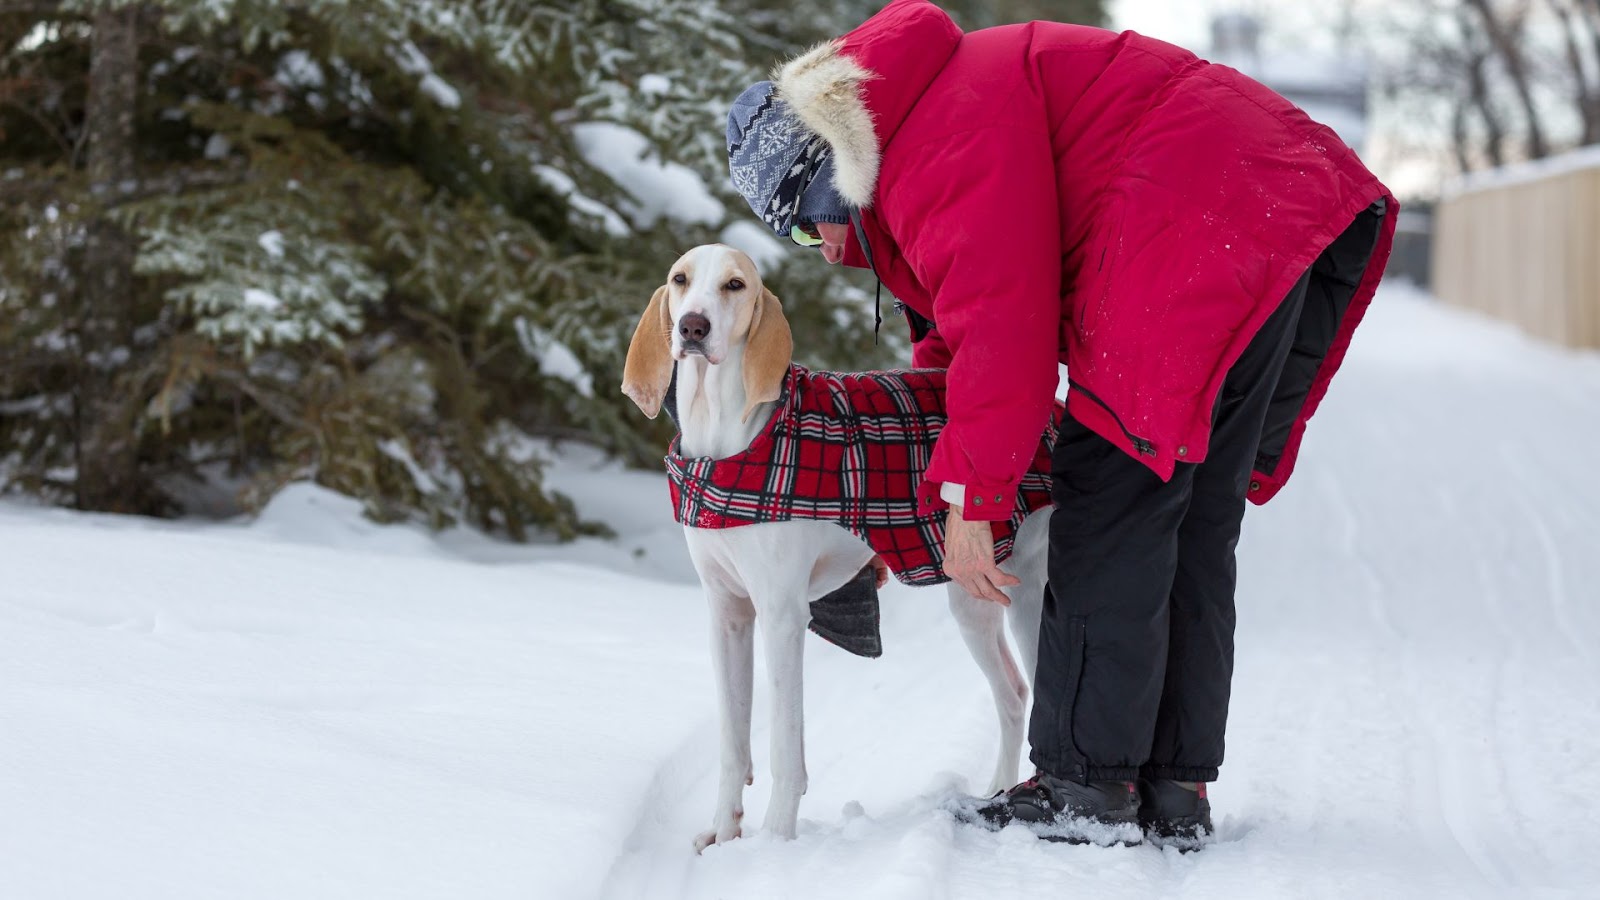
{"x":693,"y":330}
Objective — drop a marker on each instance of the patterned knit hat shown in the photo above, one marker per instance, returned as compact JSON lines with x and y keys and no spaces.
{"x":780,"y":168}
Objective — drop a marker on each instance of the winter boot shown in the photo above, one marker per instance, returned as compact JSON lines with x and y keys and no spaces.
{"x":1175,"y":813}
{"x":1101,"y":812}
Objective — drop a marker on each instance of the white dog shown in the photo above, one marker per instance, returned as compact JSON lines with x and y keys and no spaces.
{"x":732,"y":346}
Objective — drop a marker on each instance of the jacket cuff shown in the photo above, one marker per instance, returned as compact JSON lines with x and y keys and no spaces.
{"x":953,"y":493}
{"x":979,"y":503}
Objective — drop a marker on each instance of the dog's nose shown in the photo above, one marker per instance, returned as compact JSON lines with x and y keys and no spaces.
{"x":694,"y":327}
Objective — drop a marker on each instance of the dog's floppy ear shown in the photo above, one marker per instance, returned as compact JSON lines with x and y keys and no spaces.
{"x":648,"y":371}
{"x":767,"y":352}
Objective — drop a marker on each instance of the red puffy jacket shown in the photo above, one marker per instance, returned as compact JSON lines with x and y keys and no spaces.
{"x":1049,"y":192}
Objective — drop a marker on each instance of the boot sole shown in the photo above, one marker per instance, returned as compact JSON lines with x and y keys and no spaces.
{"x":1123,"y":832}
{"x":1187,"y":833}
{"x":1119,"y":831}
{"x":1074,"y":841}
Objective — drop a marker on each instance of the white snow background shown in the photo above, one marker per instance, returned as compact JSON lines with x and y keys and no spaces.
{"x":311,"y":706}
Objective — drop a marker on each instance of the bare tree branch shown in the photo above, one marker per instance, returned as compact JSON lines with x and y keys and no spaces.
{"x":1588,"y":108}
{"x":1478,"y":94}
{"x":1460,"y":137}
{"x":1504,"y":35}
{"x":1590,"y":11}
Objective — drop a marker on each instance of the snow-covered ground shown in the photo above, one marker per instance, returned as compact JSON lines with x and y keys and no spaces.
{"x":310,"y":706}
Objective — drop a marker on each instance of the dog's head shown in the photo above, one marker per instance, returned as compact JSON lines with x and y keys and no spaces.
{"x":712,"y":304}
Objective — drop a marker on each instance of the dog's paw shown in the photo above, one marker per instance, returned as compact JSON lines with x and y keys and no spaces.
{"x":727,"y":829}
{"x":781,"y":827}
{"x":706,"y":838}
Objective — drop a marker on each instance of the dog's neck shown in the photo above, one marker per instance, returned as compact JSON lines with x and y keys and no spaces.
{"x":711,"y":401}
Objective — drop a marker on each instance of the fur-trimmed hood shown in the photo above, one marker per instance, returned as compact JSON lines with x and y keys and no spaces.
{"x":855,"y":91}
{"x":824,"y":88}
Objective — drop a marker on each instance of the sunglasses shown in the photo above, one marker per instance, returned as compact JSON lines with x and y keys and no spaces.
{"x":804,"y":237}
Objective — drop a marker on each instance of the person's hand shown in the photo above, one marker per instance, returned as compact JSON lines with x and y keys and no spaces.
{"x":880,"y":569}
{"x":969,"y":559}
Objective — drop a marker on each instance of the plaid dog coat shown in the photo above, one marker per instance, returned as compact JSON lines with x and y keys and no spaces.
{"x":848,"y":448}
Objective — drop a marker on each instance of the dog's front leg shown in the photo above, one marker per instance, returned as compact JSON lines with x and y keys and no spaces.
{"x":732,"y":658}
{"x":783,"y":630}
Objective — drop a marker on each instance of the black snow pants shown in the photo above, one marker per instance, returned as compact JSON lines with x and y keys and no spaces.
{"x":1136,"y":641}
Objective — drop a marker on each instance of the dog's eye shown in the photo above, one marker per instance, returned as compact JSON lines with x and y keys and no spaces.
{"x":735,"y":285}
{"x":680,"y":279}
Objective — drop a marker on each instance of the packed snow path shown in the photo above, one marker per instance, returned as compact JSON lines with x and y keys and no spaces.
{"x":313,"y":707}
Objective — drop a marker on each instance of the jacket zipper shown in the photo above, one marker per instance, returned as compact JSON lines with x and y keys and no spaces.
{"x":1139,"y":443}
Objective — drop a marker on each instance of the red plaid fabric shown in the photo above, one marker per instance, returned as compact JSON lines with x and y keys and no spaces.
{"x":848,"y":448}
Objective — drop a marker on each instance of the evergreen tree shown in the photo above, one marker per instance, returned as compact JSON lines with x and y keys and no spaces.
{"x":381,"y":244}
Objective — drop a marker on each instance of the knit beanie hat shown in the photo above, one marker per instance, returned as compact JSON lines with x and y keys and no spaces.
{"x":782,"y":169}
